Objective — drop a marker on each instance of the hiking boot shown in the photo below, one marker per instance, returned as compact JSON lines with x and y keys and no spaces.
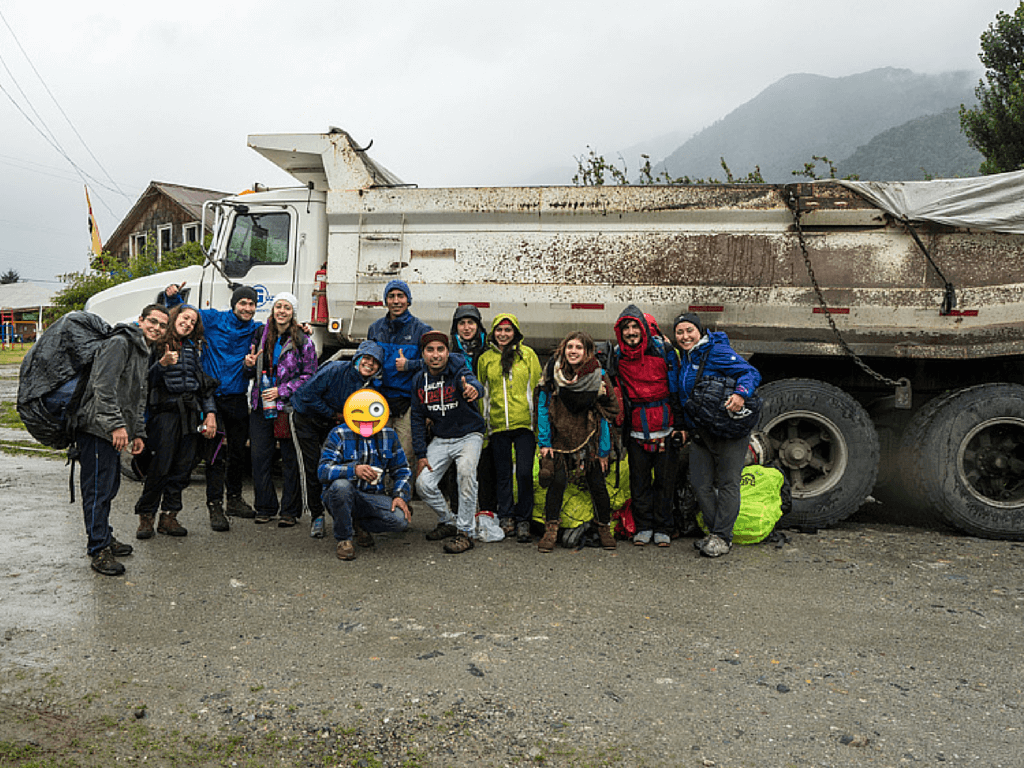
{"x":508,"y":526}
{"x":699,"y":543}
{"x":169,"y":525}
{"x":642,"y":538}
{"x":523,"y":532}
{"x":662,"y":539}
{"x":120,"y":549}
{"x":716,"y":546}
{"x":104,"y":562}
{"x":550,"y":538}
{"x":316,"y":528}
{"x":461,"y":543}
{"x":145,"y":531}
{"x":218,"y":521}
{"x":442,"y":531}
{"x":237,"y":507}
{"x":363,"y":538}
{"x":604,"y":532}
{"x":345,"y":550}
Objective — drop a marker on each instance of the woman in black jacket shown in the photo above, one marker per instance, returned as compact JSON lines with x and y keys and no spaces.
{"x":180,"y":408}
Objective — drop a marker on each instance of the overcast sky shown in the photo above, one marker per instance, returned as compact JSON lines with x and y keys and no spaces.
{"x":451,"y":93}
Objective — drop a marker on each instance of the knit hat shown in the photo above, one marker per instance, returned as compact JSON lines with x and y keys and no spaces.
{"x":289,"y":297}
{"x":242,"y":292}
{"x":430,"y":336}
{"x":400,"y":285}
{"x":689,"y":317}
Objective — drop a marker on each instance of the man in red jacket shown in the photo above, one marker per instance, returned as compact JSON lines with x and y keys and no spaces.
{"x":641,"y":365}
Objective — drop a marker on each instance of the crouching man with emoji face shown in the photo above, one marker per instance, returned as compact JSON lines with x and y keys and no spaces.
{"x":356,"y":457}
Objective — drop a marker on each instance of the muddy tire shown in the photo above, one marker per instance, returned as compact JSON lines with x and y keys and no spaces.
{"x":827,"y":446}
{"x":964,"y":459}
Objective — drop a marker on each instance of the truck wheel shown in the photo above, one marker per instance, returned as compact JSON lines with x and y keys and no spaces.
{"x":827,"y":446}
{"x":966,"y":459}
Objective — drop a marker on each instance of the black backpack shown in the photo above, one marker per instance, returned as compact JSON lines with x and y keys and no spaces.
{"x":54,"y":374}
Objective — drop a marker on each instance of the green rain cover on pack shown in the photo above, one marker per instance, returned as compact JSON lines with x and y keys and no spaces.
{"x":760,"y":505}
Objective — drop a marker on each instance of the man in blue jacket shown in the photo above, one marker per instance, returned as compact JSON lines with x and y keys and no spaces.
{"x":228,"y":334}
{"x":319,"y":406}
{"x":399,"y":333}
{"x":445,"y":392}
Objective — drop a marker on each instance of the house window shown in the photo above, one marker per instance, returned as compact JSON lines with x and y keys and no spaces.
{"x":139,"y":241}
{"x":163,"y":239}
{"x":190,"y":233}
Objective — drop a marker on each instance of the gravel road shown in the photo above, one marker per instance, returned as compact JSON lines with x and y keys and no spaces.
{"x":866,"y":644}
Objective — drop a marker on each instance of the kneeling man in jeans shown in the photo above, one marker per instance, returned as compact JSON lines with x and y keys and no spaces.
{"x":355,"y":459}
{"x":445,"y":391}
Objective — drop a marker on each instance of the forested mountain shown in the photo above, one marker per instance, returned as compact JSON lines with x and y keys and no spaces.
{"x":926,"y":147}
{"x":803,"y":115}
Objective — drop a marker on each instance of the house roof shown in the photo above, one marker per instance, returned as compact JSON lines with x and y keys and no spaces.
{"x":191,"y":199}
{"x":23,"y":295}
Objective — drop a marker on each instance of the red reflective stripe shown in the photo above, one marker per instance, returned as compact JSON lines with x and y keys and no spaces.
{"x":706,"y":308}
{"x":964,"y":313}
{"x":576,"y":305}
{"x":477,"y":304}
{"x":369,"y":303}
{"x":832,"y":311}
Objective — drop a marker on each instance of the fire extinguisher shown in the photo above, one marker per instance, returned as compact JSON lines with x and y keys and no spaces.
{"x":319,"y":314}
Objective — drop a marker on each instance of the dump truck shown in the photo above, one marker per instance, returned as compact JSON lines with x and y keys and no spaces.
{"x":887,"y":320}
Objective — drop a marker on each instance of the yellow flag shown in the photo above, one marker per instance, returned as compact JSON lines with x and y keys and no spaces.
{"x":94,"y":231}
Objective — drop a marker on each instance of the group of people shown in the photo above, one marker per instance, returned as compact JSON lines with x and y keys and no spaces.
{"x":461,"y":417}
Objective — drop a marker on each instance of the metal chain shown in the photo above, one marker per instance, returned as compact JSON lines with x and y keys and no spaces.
{"x":794,"y":205}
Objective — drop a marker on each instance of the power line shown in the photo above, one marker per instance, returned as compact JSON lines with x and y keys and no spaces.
{"x":59,"y":107}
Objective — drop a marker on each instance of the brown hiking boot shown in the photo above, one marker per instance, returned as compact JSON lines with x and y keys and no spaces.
{"x":145,"y":531}
{"x":345,"y":550}
{"x":442,"y":531}
{"x":605,"y":533}
{"x":461,"y":543}
{"x":218,"y":521}
{"x":363,"y":538}
{"x":550,"y":538}
{"x":169,"y":525}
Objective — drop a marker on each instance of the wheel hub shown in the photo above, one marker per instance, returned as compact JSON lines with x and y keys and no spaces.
{"x":796,"y":453}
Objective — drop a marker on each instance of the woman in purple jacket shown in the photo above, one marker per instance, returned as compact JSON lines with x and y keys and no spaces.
{"x":281,"y":358}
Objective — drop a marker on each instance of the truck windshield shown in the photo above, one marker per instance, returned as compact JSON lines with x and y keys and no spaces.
{"x":257,"y":238}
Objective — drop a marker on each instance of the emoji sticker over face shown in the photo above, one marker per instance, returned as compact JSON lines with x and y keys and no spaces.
{"x":366,"y":412}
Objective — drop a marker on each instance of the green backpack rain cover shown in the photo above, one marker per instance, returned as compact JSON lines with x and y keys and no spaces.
{"x":760,"y":505}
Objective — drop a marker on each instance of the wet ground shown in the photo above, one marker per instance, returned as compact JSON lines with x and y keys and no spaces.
{"x":867,"y":644}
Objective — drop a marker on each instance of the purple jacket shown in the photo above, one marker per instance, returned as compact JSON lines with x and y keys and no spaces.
{"x":294,"y":368}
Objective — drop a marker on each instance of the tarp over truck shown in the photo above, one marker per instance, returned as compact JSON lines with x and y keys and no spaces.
{"x":987,"y":203}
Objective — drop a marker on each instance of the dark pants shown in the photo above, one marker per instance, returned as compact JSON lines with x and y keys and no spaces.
{"x":595,"y":484}
{"x":716,"y":466}
{"x":525,"y":444}
{"x":171,"y":466}
{"x":233,"y":420}
{"x":262,"y":444}
{"x":311,"y":433}
{"x":100,"y":479}
{"x":652,"y":501}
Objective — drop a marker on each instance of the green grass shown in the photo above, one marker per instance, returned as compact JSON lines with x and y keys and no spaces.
{"x":13,"y":356}
{"x":9,"y":416}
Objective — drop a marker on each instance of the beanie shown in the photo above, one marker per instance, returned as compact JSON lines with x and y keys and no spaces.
{"x":430,"y":336}
{"x":689,"y":317}
{"x":400,"y":285}
{"x":289,"y":297}
{"x":242,"y":292}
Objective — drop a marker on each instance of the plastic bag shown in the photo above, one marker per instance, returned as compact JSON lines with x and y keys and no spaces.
{"x":486,"y":527}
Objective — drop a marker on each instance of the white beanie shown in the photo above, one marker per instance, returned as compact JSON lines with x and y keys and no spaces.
{"x":289,"y":297}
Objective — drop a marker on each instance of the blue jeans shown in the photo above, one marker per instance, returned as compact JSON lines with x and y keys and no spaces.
{"x":372,"y":511}
{"x":442,"y":451}
{"x":100,"y":479}
{"x":525,"y":444}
